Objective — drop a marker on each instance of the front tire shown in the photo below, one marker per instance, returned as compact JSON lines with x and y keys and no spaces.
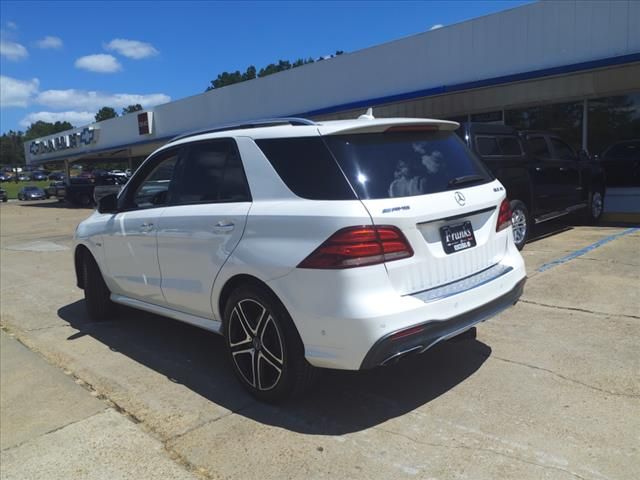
{"x":264,"y":347}
{"x":520,"y":223}
{"x":96,"y":293}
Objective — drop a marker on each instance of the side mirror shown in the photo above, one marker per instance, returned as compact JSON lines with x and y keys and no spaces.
{"x":108,"y":203}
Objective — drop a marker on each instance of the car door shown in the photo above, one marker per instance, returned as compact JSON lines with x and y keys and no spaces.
{"x":203,"y":224}
{"x":130,"y":242}
{"x":544,"y":174}
{"x":570,"y":186}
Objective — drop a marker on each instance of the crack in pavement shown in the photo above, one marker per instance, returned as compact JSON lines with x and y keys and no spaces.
{"x":478,"y":449}
{"x":582,"y":310}
{"x":54,"y":429}
{"x":568,"y":379}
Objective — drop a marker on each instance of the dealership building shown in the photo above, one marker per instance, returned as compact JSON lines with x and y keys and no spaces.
{"x":572,"y":67}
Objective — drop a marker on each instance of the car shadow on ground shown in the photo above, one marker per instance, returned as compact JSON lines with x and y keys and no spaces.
{"x":340,"y":402}
{"x":52,"y":204}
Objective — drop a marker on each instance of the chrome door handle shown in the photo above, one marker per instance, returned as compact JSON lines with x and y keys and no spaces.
{"x":146,"y":227}
{"x":222,"y":227}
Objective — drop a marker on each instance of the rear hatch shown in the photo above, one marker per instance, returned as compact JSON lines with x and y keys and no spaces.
{"x":424,"y":181}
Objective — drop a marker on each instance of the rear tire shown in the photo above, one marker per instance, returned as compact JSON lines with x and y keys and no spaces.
{"x":595,"y":208}
{"x":84,"y":200}
{"x":264,"y":347}
{"x":520,"y":223}
{"x":96,"y":293}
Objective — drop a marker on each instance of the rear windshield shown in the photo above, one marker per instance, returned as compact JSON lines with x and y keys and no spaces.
{"x":406,"y":164}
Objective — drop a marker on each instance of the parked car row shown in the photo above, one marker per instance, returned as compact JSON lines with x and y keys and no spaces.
{"x":35,"y":176}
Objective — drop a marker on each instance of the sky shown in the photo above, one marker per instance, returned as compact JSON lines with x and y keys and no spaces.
{"x":65,"y":60}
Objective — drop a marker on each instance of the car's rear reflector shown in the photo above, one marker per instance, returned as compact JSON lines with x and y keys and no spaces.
{"x":359,"y":246}
{"x":504,"y":216}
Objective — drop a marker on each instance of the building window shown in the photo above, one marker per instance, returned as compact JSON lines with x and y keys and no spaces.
{"x":612,"y":120}
{"x":563,"y":119}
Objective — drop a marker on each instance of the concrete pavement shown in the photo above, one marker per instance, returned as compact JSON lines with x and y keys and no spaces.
{"x":550,"y":389}
{"x":52,"y":428}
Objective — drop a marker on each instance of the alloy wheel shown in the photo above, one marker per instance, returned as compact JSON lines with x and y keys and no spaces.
{"x":596,"y":205}
{"x":519,"y":223}
{"x":256,"y":344}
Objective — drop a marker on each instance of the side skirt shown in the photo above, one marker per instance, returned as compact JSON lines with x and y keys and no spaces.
{"x":205,"y":323}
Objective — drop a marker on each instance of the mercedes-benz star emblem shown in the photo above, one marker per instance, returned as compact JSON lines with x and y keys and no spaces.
{"x":460,"y":198}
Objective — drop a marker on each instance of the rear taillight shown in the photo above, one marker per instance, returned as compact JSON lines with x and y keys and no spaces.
{"x":504,"y":216}
{"x":359,"y":246}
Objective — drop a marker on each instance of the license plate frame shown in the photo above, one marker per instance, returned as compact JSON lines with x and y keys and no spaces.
{"x":458,"y":237}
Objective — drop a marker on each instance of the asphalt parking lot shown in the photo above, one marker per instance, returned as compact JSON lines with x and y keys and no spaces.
{"x":549,"y":389}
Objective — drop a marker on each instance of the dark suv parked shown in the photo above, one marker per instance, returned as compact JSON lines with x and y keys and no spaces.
{"x":544,"y":177}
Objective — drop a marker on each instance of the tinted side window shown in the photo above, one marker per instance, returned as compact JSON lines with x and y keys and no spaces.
{"x":623,"y":151}
{"x":538,"y":147}
{"x":212,"y":172}
{"x":487,"y":146}
{"x":153,"y":190}
{"x":509,"y":145}
{"x":562,"y":150}
{"x":307,"y":168}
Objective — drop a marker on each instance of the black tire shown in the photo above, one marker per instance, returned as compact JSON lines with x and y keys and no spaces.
{"x":521,"y":223}
{"x":84,"y":200}
{"x":96,"y":293}
{"x":261,"y":337}
{"x":5,"y":199}
{"x":595,"y":208}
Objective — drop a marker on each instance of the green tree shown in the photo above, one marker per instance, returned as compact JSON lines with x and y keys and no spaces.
{"x":132,"y":108}
{"x":42,"y":129}
{"x":229,"y":78}
{"x":105,"y":113}
{"x":11,"y":148}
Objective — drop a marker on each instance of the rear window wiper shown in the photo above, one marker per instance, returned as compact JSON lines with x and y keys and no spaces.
{"x":465,"y":179}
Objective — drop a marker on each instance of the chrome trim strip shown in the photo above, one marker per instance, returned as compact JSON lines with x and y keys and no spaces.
{"x":396,"y":356}
{"x":464,"y":284}
{"x":456,"y":217}
{"x":560,"y":213}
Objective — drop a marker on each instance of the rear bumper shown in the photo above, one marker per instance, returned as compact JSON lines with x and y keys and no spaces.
{"x":390,"y":348}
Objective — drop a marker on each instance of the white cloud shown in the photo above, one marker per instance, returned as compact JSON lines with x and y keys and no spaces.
{"x":13,"y":50}
{"x":91,"y":100}
{"x":17,"y":93}
{"x":12,"y":25}
{"x":101,"y":63}
{"x":436,"y":26}
{"x":132,"y":48}
{"x":74,"y":118}
{"x":49,"y":42}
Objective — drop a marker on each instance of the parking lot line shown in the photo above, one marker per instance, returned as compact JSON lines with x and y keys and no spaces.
{"x":586,"y":249}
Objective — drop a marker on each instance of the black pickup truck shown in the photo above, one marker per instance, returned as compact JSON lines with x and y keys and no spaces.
{"x":86,"y":191}
{"x":544,"y":177}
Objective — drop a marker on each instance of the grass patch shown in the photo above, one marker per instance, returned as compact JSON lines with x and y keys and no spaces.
{"x":12,"y":188}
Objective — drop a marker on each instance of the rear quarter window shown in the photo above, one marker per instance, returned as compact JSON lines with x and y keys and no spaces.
{"x":306,"y":166}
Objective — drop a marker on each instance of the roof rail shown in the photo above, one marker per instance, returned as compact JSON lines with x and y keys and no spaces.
{"x":266,"y":122}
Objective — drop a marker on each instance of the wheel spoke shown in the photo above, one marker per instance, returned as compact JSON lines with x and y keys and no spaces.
{"x":271,"y":355}
{"x":250,"y":375}
{"x":266,"y":363}
{"x":241,"y":320}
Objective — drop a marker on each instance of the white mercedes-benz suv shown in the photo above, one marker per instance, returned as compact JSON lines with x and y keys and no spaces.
{"x":339,"y":244}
